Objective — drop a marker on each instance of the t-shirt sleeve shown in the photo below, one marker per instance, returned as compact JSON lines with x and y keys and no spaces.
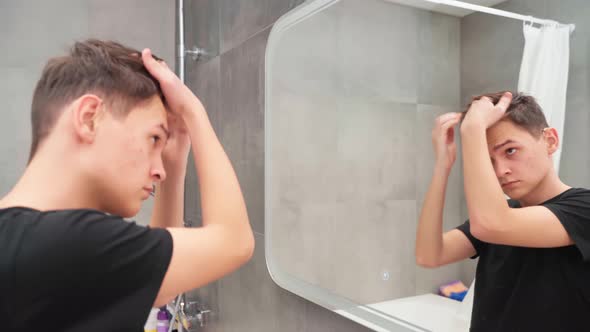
{"x":573,"y":211}
{"x":119,"y":264}
{"x":477,"y":244}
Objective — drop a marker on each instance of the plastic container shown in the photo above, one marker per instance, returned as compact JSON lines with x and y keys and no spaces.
{"x":162,"y":324}
{"x":150,"y":324}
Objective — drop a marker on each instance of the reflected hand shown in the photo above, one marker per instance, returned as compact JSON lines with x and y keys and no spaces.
{"x":443,"y":140}
{"x":484,"y":113}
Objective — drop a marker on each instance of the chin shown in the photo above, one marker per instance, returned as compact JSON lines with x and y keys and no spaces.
{"x":125,"y":211}
{"x":131,"y":212}
{"x":517,"y":194}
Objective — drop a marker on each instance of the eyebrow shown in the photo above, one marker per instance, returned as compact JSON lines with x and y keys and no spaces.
{"x":498,"y":146}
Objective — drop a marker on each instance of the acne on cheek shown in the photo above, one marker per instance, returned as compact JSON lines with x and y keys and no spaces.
{"x":133,"y":152}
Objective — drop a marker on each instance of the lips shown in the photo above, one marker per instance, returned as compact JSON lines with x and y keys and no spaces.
{"x":509,"y":183}
{"x":149,"y":191}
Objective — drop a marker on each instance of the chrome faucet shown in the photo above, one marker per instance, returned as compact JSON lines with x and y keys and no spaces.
{"x":192,"y":314}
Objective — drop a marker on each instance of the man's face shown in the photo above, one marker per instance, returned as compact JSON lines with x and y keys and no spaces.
{"x":520,"y":160}
{"x":128,"y":157}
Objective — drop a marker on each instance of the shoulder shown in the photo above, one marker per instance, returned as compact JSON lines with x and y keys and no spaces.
{"x":571,"y":206}
{"x":576,"y":193}
{"x":82,"y":227}
{"x":78,"y":221}
{"x":573,"y":197}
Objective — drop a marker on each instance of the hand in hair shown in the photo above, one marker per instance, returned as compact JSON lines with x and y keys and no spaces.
{"x":483,"y":113}
{"x":443,"y":140}
{"x":179,"y":98}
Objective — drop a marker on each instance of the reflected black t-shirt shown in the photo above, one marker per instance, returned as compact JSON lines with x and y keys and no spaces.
{"x":78,"y":270}
{"x":536,"y":289}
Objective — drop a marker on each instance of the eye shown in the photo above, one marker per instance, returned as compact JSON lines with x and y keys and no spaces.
{"x":511,"y":151}
{"x":155,"y":139}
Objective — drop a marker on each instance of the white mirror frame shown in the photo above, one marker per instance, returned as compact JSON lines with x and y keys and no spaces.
{"x":371,"y":318}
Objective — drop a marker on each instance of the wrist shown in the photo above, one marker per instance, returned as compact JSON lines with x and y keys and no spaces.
{"x":193,"y":108}
{"x":176,"y":171}
{"x":441,"y":170}
{"x":471,"y":128}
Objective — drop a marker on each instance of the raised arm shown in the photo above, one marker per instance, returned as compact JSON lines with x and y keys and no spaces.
{"x":225,"y":241}
{"x":433,"y":248}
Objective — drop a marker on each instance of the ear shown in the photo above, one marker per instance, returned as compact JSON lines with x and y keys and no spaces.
{"x":86,"y":114}
{"x":551,"y":139}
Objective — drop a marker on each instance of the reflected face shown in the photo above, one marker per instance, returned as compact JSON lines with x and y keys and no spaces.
{"x":520,"y":160}
{"x":129,"y":157}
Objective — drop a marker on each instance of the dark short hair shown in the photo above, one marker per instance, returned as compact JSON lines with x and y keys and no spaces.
{"x":106,"y":68}
{"x":524,"y":111}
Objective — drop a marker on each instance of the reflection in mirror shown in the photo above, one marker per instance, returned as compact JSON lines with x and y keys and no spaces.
{"x":353,"y":91}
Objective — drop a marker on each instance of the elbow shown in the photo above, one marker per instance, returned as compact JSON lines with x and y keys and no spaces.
{"x":490,"y":228}
{"x":482,"y":231}
{"x":245,"y":249}
{"x":248,"y":247}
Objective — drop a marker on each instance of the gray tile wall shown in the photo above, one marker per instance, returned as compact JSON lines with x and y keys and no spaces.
{"x":231,"y":86}
{"x":34,"y":31}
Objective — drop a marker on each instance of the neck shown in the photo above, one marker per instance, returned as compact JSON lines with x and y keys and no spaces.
{"x":548,"y":188}
{"x":49,"y":184}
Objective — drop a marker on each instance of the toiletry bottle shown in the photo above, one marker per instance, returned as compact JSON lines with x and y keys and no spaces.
{"x":163,"y":324}
{"x":150,"y":324}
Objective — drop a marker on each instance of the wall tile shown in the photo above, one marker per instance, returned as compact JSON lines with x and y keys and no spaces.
{"x":203,"y":79}
{"x":241,"y":120}
{"x":33,"y":31}
{"x":241,"y":19}
{"x":439,"y":61}
{"x":249,"y":300}
{"x":136,"y":23}
{"x":202,"y":25}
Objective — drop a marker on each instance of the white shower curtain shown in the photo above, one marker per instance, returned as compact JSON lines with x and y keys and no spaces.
{"x":544,"y":72}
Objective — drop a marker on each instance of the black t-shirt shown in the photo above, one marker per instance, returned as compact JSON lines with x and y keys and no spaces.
{"x":78,"y":270}
{"x":536,"y":289}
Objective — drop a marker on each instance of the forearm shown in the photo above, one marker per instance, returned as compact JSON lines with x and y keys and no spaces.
{"x":169,"y":202}
{"x":484,"y":196}
{"x":429,"y":236}
{"x":222,"y":202}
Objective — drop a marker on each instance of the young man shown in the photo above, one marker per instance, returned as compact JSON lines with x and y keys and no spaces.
{"x":533,"y":272}
{"x":109,"y":122}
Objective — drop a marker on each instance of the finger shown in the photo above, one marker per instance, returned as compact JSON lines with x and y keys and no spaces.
{"x":504,"y":102}
{"x":455,"y":121}
{"x":450,"y":135}
{"x":448,"y":116}
{"x":152,"y":64}
{"x":485,"y":98}
{"x":450,"y":123}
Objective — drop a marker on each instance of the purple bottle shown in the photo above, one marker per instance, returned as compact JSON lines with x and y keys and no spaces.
{"x":162,"y":325}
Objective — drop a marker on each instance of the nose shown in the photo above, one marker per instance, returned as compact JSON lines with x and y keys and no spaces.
{"x":501,"y":168}
{"x":158,"y":173}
